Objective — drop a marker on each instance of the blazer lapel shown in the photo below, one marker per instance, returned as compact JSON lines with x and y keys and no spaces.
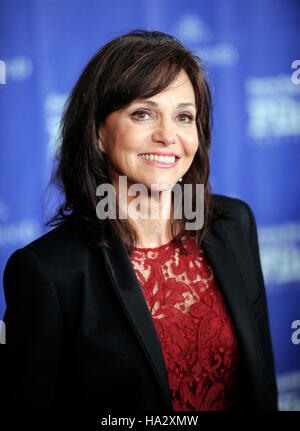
{"x":224,"y":262}
{"x":129,"y":292}
{"x":226,"y":266}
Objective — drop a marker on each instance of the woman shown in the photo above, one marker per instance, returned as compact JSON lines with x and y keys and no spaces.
{"x":116,"y":309}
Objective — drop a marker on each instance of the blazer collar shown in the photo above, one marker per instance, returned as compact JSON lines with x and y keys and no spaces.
{"x":234,"y":272}
{"x":130,"y":294}
{"x":221,"y":257}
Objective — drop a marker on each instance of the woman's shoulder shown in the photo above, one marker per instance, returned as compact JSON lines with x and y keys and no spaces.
{"x":233,"y":213}
{"x":60,"y":247}
{"x":62,"y":238}
{"x":233,"y":205}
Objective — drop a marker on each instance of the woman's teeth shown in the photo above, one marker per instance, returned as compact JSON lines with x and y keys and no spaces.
{"x":162,"y":159}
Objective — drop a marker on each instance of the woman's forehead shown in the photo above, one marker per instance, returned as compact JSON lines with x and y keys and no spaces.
{"x":181,"y":88}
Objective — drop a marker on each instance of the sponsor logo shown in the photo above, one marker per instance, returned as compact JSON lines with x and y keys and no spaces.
{"x":273,"y":109}
{"x":196,"y":34}
{"x":20,"y":232}
{"x":289,"y":390}
{"x":280,"y":252}
{"x":18,"y":68}
{"x":53,"y":106}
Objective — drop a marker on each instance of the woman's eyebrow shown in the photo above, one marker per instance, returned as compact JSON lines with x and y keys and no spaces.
{"x":180,"y":105}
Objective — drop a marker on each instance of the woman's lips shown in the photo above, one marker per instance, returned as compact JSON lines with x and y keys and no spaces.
{"x":160,"y":164}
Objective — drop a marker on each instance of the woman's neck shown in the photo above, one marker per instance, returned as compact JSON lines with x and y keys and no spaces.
{"x":152,"y":233}
{"x":150,"y":215}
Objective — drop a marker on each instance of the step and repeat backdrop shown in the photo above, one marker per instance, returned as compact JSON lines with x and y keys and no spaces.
{"x":251,"y":50}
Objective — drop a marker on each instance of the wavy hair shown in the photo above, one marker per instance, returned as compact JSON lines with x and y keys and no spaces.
{"x":138,"y":64}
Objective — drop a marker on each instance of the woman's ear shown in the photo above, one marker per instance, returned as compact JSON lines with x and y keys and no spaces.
{"x":100,"y":142}
{"x":100,"y":145}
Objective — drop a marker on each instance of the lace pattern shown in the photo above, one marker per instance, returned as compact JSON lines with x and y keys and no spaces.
{"x":197,"y":336}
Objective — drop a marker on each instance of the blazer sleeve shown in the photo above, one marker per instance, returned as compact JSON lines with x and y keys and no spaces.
{"x":34,"y":332}
{"x":262,"y":318}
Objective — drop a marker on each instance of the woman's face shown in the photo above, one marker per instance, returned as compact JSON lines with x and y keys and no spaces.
{"x":154,"y":140}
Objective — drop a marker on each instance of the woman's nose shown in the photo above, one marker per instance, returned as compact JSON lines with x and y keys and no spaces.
{"x":164,"y":133}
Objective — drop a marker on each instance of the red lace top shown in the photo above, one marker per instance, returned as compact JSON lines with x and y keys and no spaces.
{"x":196,"y":333}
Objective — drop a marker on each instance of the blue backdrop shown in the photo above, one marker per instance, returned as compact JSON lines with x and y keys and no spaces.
{"x":250,"y":48}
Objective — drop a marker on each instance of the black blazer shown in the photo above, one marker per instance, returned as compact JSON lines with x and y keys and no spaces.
{"x":80,"y":335}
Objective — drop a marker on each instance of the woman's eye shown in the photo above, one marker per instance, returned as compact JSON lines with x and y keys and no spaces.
{"x":186,"y":118}
{"x":140,"y":115}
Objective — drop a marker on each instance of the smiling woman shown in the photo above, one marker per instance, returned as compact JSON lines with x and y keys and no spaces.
{"x":157,"y":128}
{"x":152,"y":142}
{"x":131,"y":313}
{"x":150,"y":98}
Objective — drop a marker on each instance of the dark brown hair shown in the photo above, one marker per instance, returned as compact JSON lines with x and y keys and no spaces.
{"x":139,"y":64}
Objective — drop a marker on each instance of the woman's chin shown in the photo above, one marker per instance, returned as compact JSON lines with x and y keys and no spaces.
{"x":159,"y":186}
